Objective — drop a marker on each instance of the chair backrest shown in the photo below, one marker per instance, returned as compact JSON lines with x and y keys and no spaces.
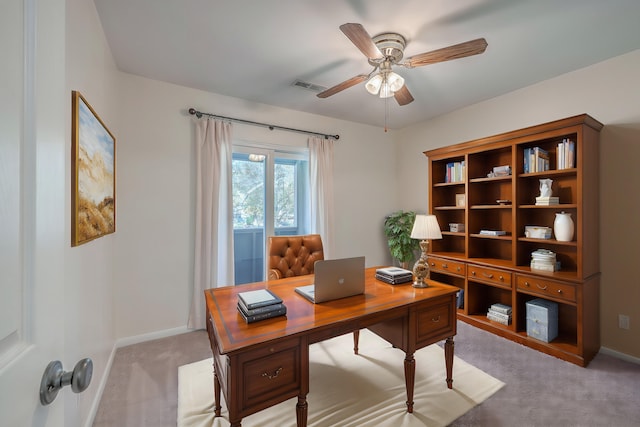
{"x":293,"y":255}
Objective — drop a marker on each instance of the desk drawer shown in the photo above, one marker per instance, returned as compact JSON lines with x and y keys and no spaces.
{"x":490,"y":276}
{"x":435,"y":321}
{"x":447,"y":266}
{"x":546,"y":288}
{"x":271,"y":372}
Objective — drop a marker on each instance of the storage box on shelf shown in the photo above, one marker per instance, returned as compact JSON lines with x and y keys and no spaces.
{"x":497,"y":268}
{"x":542,"y":319}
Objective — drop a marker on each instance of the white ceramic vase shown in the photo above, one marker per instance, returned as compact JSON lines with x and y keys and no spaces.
{"x":563,"y":227}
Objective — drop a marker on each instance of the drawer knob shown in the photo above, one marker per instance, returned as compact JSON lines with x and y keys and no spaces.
{"x":445,"y":266}
{"x":559,"y":291}
{"x":273,"y":375}
{"x":458,"y":269}
{"x":473,"y":273}
{"x":527,"y":284}
{"x":435,"y":319}
{"x":433,"y":264}
{"x":501,"y":279}
{"x":542,"y":288}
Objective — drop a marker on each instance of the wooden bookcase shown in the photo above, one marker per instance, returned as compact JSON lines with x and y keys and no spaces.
{"x":496,"y":269}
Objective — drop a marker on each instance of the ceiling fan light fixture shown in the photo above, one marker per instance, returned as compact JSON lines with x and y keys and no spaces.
{"x":373,"y":85}
{"x":395,"y":81}
{"x":385,"y":90}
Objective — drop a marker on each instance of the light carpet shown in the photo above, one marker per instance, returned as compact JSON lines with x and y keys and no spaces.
{"x":351,"y":390}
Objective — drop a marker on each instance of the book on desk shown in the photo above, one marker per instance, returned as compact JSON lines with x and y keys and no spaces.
{"x":259,"y":305}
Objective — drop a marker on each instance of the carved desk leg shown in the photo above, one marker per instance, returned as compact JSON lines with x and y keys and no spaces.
{"x":216,"y":392}
{"x":301,"y":411}
{"x":410,"y":379}
{"x":356,"y":338}
{"x":448,"y":357}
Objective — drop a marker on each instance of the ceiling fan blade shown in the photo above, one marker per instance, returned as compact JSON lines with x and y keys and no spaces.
{"x":473,"y":47}
{"x":403,"y":96}
{"x":359,"y":37}
{"x":342,"y":86}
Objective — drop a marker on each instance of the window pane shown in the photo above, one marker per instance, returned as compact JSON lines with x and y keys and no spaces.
{"x":248,"y":192}
{"x":285,"y":195}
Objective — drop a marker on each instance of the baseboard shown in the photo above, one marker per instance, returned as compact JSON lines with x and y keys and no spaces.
{"x":93,"y":411}
{"x":123,"y":342}
{"x":137,"y":339}
{"x":618,"y":355}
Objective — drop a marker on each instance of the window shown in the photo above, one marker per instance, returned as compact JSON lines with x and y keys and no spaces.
{"x":270,"y":197}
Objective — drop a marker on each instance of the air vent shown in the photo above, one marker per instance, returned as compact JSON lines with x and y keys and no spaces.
{"x":309,"y":86}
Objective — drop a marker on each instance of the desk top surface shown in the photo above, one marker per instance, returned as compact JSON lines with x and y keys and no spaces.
{"x":233,"y":333}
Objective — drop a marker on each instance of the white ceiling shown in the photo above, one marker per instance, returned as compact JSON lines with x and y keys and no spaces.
{"x":256,"y":49}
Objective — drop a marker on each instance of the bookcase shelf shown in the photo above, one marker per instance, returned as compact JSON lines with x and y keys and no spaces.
{"x":575,"y":287}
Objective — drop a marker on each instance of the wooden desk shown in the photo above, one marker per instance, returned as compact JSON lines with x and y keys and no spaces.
{"x":261,"y":364}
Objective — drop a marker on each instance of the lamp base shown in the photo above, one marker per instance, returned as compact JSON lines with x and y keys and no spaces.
{"x":421,"y":268}
{"x":420,"y":284}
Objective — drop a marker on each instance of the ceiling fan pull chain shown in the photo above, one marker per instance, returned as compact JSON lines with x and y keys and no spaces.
{"x":386,"y":112}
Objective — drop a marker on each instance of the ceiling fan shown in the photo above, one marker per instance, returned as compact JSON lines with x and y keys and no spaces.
{"x":387,"y":50}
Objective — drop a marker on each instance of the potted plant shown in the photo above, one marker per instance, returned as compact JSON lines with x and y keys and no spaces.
{"x":397,"y":228}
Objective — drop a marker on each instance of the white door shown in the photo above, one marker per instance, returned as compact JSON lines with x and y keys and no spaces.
{"x":32,"y":208}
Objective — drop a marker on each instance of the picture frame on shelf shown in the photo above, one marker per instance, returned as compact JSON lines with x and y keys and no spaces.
{"x":93,"y":184}
{"x":461,"y":200}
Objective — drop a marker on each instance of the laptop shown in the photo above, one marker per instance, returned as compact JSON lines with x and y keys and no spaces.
{"x":335,"y":279}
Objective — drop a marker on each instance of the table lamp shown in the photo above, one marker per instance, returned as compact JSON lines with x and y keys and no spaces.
{"x":425,"y":228}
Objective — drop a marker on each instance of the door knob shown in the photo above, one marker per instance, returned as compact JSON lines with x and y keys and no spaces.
{"x":55,"y":378}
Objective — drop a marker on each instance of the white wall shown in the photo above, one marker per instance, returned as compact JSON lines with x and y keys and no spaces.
{"x":89,"y":290}
{"x":156,"y":184}
{"x":609,"y":92}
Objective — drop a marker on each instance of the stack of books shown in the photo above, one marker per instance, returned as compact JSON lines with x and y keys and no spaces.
{"x":544,"y":260}
{"x":537,"y":232}
{"x":502,"y":170}
{"x":259,"y":305}
{"x":493,"y":232}
{"x":394,"y":275}
{"x":500,"y":313}
{"x":547,"y":201}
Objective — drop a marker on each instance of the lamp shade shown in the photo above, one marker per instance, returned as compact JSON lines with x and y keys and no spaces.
{"x":373,"y":85}
{"x":426,"y":227}
{"x":395,"y":81}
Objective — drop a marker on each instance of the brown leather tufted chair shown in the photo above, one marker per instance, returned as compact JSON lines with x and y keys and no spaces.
{"x":293,"y":255}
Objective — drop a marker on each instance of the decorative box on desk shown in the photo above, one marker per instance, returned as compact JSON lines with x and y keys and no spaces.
{"x":542,"y":319}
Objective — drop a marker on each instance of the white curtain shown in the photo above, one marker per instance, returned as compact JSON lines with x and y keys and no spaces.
{"x":321,"y":183}
{"x":213,"y":264}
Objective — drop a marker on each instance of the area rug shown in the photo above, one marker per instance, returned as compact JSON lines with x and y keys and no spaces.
{"x":350,"y":390}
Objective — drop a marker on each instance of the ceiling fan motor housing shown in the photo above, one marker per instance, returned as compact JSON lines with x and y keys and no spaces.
{"x":391,"y":45}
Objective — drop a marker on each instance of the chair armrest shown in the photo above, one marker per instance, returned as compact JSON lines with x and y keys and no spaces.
{"x":274,"y":274}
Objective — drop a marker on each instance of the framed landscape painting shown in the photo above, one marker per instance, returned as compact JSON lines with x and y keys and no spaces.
{"x":93,"y":175}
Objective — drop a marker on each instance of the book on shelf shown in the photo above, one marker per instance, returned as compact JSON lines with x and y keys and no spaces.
{"x":493,"y":232}
{"x":262,"y":316}
{"x":536,"y":159}
{"x":565,"y":154}
{"x":500,"y":308}
{"x":502,"y":170}
{"x":258,"y":298}
{"x":455,"y":172}
{"x":547,"y":201}
{"x":494,"y":313}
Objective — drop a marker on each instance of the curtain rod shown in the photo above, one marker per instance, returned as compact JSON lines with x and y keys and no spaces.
{"x":199,"y":114}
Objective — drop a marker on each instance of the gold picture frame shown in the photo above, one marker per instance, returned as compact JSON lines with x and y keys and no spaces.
{"x":93,"y":175}
{"x":461,"y":200}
